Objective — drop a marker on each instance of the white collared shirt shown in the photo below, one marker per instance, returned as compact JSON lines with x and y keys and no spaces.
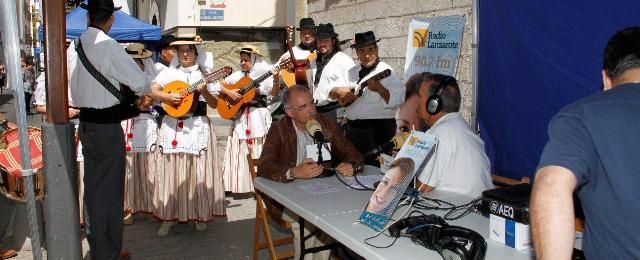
{"x":40,"y":95}
{"x":334,"y":74}
{"x":459,"y":163}
{"x":112,"y":61}
{"x":371,"y":105}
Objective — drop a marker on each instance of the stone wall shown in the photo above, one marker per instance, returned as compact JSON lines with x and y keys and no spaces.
{"x":389,"y":20}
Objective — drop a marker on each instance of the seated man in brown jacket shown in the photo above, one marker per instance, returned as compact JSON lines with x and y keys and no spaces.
{"x":284,"y":158}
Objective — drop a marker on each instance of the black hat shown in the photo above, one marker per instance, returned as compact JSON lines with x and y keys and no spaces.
{"x":165,"y":41}
{"x":306,"y":23}
{"x":364,"y":39}
{"x":325,"y":31}
{"x":100,"y":5}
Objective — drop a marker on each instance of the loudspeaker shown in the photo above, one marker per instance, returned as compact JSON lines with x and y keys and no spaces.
{"x":434,"y":103}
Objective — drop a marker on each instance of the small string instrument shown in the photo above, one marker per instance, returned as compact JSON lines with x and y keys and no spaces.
{"x":186,"y":91}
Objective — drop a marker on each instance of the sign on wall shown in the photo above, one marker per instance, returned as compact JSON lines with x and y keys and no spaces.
{"x":433,"y":45}
{"x":211,"y":14}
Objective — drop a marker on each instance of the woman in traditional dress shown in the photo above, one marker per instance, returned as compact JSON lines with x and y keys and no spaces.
{"x":250,"y":128}
{"x":188,"y":180}
{"x":141,"y":135}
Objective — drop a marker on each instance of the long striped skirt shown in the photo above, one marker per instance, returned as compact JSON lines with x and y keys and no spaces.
{"x":189,"y":187}
{"x":139,"y":182}
{"x":237,"y":178}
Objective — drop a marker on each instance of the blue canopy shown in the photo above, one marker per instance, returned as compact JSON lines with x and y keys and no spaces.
{"x":125,"y":28}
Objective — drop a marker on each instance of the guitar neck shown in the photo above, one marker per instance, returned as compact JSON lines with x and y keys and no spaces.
{"x":216,"y":75}
{"x":259,"y":80}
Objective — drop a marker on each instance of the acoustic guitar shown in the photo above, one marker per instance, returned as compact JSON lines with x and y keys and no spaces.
{"x":186,"y":91}
{"x":227,"y":108}
{"x":333,"y":105}
{"x":289,"y":76}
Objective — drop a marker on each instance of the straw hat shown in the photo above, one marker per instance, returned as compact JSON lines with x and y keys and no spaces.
{"x":137,"y":51}
{"x":250,"y":49}
{"x":188,"y":40}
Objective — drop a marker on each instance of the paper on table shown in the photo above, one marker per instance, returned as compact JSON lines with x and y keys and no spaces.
{"x":366,"y":180}
{"x":318,"y":188}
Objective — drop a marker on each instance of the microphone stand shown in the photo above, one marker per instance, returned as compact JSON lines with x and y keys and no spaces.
{"x":325,"y":172}
{"x":320,"y":160}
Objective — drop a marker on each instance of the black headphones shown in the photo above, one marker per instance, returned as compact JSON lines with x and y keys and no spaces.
{"x":433,"y":232}
{"x":434,"y":103}
{"x":451,"y":242}
{"x":411,"y":224}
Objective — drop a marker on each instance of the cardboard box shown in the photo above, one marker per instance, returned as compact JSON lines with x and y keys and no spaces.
{"x":511,"y":233}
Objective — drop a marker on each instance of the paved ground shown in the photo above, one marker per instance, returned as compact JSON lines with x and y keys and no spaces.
{"x":230,"y":238}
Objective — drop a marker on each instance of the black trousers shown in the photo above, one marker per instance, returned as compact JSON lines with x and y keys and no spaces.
{"x":104,"y":170}
{"x":27,"y":102}
{"x":367,"y":134}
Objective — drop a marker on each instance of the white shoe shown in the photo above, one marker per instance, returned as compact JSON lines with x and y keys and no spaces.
{"x":128,"y":219}
{"x":164,"y":228}
{"x":201,"y":226}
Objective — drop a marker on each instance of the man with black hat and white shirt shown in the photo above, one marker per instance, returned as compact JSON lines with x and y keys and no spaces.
{"x":307,"y":44}
{"x":331,"y":71}
{"x":100,"y":131}
{"x":370,"y":117}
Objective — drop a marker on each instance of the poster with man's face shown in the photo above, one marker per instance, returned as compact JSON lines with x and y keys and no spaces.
{"x":395,"y":181}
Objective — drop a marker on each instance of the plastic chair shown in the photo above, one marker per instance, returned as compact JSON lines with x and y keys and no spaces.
{"x":262,"y":225}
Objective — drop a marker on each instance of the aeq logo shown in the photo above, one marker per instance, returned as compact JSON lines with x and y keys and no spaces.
{"x":500,"y":209}
{"x":494,"y":206}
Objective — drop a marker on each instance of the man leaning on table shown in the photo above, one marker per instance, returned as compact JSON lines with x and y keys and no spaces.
{"x":459,"y":163}
{"x":284,"y":158}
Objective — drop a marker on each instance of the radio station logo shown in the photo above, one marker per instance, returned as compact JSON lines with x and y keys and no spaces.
{"x":420,"y":37}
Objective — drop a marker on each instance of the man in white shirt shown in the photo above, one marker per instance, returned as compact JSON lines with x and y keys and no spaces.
{"x":307,"y":29}
{"x":459,"y":162}
{"x":331,"y":71}
{"x":376,"y":92}
{"x":100,"y":131}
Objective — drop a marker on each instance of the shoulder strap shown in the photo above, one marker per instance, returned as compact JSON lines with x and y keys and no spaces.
{"x":94,"y":72}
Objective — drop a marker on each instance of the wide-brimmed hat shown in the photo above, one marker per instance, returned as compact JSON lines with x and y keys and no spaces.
{"x":187,"y":40}
{"x":364,"y":39}
{"x":325,"y":31}
{"x":306,"y":23}
{"x":137,"y":51}
{"x":250,"y":49}
{"x":99,"y":5}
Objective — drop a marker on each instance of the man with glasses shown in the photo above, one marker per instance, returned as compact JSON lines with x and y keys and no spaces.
{"x":284,"y":157}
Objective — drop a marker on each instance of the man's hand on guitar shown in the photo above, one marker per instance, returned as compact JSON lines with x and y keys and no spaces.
{"x":374,"y":85}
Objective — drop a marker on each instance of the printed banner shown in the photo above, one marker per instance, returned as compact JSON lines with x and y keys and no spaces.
{"x":433,"y":45}
{"x":394,"y":183}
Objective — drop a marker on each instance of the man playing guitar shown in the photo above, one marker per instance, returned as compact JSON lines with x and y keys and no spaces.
{"x":370,"y":118}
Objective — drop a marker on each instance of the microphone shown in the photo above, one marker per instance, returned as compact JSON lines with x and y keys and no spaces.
{"x":315,"y":130}
{"x":396,"y":143}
